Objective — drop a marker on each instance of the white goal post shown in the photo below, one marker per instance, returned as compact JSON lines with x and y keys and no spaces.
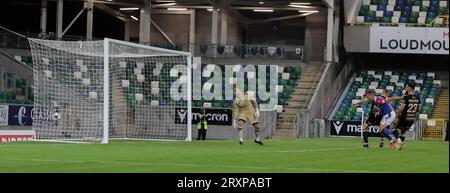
{"x":94,"y":91}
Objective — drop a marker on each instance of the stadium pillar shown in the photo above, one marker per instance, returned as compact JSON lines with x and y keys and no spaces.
{"x":192,"y":32}
{"x":144,"y":24}
{"x":127,"y":31}
{"x":44,"y":16}
{"x":214,"y":28}
{"x":90,"y":17}
{"x":223,"y":28}
{"x":351,"y":9}
{"x":330,"y":25}
{"x":59,"y":18}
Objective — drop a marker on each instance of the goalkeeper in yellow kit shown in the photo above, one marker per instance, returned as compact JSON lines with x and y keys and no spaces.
{"x":245,"y":109}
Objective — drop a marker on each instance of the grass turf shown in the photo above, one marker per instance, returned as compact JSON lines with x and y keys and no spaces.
{"x":310,"y":155}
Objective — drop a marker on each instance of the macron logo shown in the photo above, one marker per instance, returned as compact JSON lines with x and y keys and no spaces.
{"x":182,"y":115}
{"x":338,"y":126}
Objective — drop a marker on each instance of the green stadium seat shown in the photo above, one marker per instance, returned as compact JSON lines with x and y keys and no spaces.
{"x":428,"y":90}
{"x":409,"y":11}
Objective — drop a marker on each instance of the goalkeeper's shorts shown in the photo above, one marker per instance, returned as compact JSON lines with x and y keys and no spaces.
{"x":248,"y":116}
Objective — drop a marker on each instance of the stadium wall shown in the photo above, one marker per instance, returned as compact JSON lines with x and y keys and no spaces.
{"x":281,"y":33}
{"x":9,"y":64}
{"x":176,"y":26}
{"x":315,"y":36}
{"x":312,"y":122}
{"x":268,"y":121}
{"x":350,"y":8}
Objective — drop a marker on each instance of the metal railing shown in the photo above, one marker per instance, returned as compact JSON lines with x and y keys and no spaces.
{"x":332,"y":79}
{"x":430,"y":129}
{"x":16,"y":40}
{"x":12,"y":39}
{"x":249,"y":51}
{"x":432,"y":24}
{"x":337,"y":88}
{"x":300,"y":116}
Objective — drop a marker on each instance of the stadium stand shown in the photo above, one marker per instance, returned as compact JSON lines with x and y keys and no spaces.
{"x":15,"y":90}
{"x":427,"y":87}
{"x":15,"y":87}
{"x":168,"y":46}
{"x":251,"y":51}
{"x":440,"y":110}
{"x":432,"y":13}
{"x":287,"y":80}
{"x":299,"y":99}
{"x":28,"y":60}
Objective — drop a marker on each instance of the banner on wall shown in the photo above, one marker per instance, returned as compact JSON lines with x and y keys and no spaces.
{"x":351,"y":128}
{"x":3,"y":115}
{"x":16,"y":135}
{"x":413,"y":40}
{"x":20,"y":115}
{"x":213,"y":116}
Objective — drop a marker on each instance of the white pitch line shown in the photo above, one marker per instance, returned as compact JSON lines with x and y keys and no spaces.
{"x":195,"y":165}
{"x":316,"y":150}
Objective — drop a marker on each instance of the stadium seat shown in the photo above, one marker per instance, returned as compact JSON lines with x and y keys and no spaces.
{"x":363,"y":80}
{"x":163,"y":80}
{"x":16,"y":90}
{"x":406,"y":12}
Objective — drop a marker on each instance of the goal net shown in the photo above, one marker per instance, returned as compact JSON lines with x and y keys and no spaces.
{"x":87,"y":91}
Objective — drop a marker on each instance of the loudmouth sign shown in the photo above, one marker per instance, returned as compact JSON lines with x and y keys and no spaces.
{"x":213,"y":116}
{"x":414,"y":40}
{"x":351,"y":128}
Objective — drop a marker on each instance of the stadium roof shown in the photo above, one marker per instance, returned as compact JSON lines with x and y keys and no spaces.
{"x":253,"y":10}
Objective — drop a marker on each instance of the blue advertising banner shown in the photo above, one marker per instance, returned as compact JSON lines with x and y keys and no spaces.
{"x":20,"y":115}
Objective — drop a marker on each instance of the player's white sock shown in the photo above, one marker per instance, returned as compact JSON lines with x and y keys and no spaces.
{"x":241,"y":135}
{"x":257,"y":135}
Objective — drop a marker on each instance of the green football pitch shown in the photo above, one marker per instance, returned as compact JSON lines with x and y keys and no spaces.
{"x":277,"y":155}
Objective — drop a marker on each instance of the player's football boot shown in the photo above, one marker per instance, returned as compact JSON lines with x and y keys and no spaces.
{"x":381,"y":144}
{"x":241,"y":143}
{"x":392,"y":145}
{"x":259,"y":142}
{"x":366,"y":145}
{"x":399,"y":144}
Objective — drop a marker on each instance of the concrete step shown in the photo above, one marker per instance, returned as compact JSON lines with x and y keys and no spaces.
{"x":290,"y":112}
{"x":299,"y":100}
{"x":286,"y":124}
{"x":299,"y":97}
{"x":301,"y":91}
{"x":440,"y":110}
{"x":296,"y":104}
{"x":284,"y":133}
{"x":297,"y":107}
{"x":306,"y":86}
{"x":308,"y":78}
{"x":313,"y":67}
{"x":286,"y":117}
